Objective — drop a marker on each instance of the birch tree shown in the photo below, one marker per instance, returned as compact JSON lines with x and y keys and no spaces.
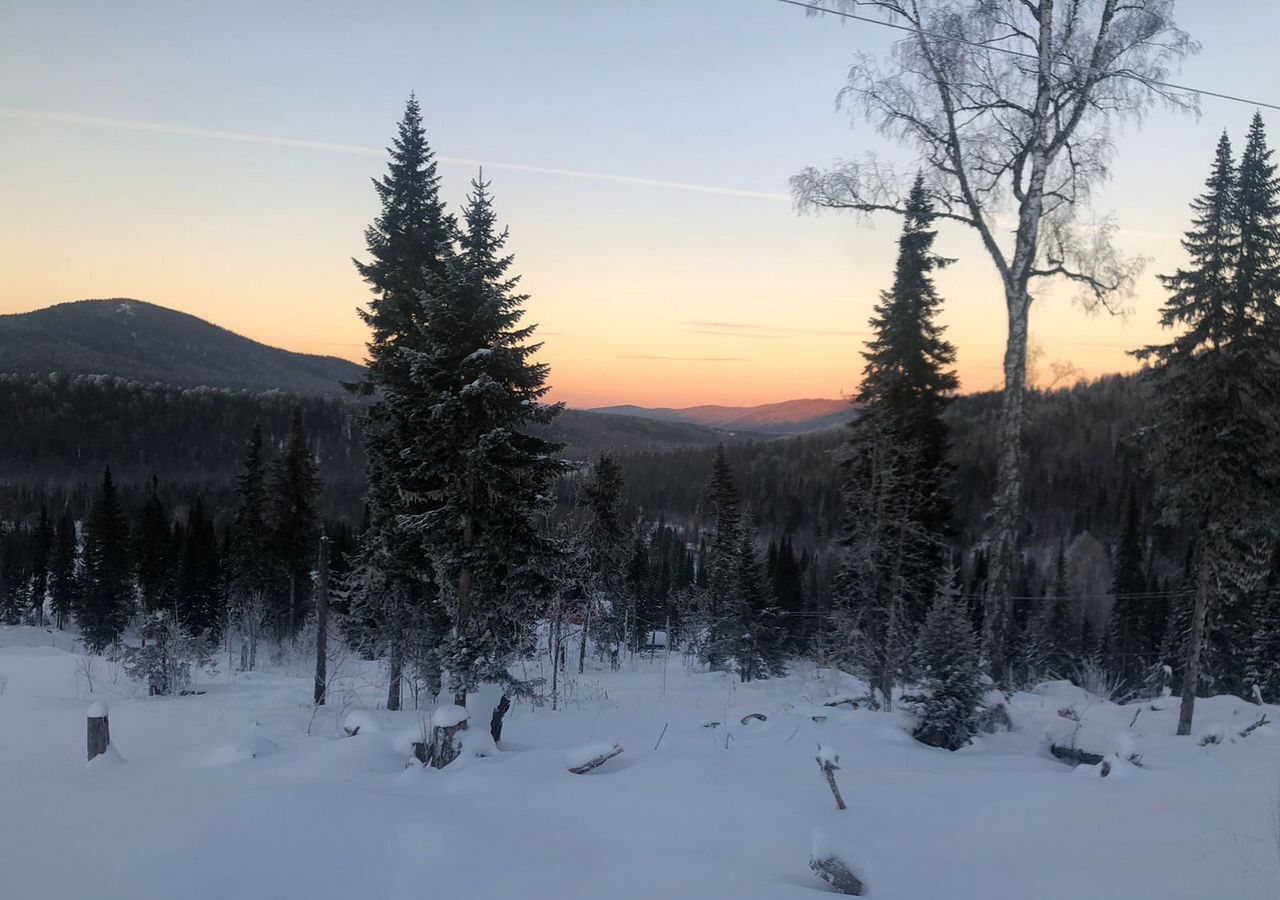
{"x":1009,"y":106}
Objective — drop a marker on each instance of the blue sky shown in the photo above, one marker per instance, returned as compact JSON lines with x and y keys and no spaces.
{"x":726,"y":98}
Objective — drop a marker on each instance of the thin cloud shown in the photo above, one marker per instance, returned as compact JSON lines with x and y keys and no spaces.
{"x":355,"y":149}
{"x":711,"y":359}
{"x":757,"y":337}
{"x":737,"y":329}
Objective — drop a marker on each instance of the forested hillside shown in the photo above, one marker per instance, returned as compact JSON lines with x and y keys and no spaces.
{"x":145,"y":342}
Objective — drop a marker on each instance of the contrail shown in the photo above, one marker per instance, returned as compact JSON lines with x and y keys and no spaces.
{"x":355,"y":149}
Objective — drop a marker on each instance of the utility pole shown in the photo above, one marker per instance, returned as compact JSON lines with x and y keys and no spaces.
{"x":322,"y":620}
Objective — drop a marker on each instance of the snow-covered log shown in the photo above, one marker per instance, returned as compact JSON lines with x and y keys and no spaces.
{"x":582,"y":760}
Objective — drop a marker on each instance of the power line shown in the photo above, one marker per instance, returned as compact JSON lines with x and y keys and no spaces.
{"x":933,"y":35}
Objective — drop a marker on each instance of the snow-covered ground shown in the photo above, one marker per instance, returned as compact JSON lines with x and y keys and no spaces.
{"x":227,"y":795}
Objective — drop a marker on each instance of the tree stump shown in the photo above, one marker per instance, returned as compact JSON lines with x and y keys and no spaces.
{"x":443,"y":745}
{"x":99,"y":730}
{"x":835,"y":873}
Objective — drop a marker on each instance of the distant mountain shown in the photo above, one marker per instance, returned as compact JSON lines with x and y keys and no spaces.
{"x":586,"y":433}
{"x":148,"y":343}
{"x":787,"y":417}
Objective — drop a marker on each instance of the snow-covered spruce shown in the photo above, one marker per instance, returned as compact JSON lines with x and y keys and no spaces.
{"x":951,"y":680}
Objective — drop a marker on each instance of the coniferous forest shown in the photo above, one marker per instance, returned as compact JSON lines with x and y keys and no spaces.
{"x":460,"y":531}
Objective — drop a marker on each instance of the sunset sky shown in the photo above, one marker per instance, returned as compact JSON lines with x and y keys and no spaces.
{"x":215,"y":158}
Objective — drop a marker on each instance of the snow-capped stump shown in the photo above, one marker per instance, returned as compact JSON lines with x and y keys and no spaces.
{"x":993,"y":714}
{"x":1214,"y":734}
{"x":443,"y":744}
{"x":829,"y":762}
{"x":254,"y":746}
{"x":99,"y":730}
{"x":582,"y":759}
{"x":359,"y":721}
{"x":829,"y":865}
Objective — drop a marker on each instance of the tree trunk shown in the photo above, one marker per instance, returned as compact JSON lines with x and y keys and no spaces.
{"x":1191,"y":671}
{"x":582,"y":647}
{"x":396,"y":664}
{"x":322,"y":623}
{"x":499,"y":714}
{"x":997,"y":619}
{"x":465,"y":580}
{"x":555,"y":661}
{"x":293,"y":603}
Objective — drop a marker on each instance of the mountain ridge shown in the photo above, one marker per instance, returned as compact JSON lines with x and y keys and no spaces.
{"x":784,"y":417}
{"x":144,"y":341}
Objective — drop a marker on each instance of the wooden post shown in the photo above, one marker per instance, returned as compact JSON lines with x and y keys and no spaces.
{"x":828,"y":764}
{"x":99,"y":730}
{"x":322,"y":621}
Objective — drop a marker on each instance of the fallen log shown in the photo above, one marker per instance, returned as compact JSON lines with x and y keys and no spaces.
{"x":591,"y":757}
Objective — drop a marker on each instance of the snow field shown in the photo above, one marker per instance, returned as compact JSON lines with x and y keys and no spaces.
{"x":227,"y":794}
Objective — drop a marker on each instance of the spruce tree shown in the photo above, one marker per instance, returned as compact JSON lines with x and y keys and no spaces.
{"x":199,"y":600}
{"x":603,"y":550}
{"x":294,"y":525}
{"x":104,"y":595}
{"x":951,"y":679}
{"x":41,"y":550}
{"x":724,"y":563}
{"x":62,"y":570}
{"x":1129,"y":654}
{"x":480,"y":476}
{"x":1213,"y":429}
{"x":391,"y":582}
{"x":151,"y":546}
{"x":908,"y":377}
{"x":248,"y":566}
{"x":1062,"y":637}
{"x":753,"y":627}
{"x":788,"y":592}
{"x":896,"y":510}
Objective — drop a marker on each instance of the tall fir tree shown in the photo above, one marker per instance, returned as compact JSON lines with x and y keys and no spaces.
{"x":199,"y":598}
{"x":248,"y":563}
{"x":294,"y":489}
{"x":42,"y":540}
{"x":391,"y":582}
{"x":755,"y":635}
{"x":603,"y":552}
{"x":896,"y":510}
{"x":104,"y":595}
{"x":151,"y":546}
{"x":724,"y":563}
{"x":1213,"y":429}
{"x":908,"y":377}
{"x":788,"y":591}
{"x":1129,"y":655}
{"x":482,"y":478}
{"x":62,"y":570}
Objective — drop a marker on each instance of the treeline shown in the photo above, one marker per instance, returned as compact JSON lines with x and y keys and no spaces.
{"x":61,"y":430}
{"x":162,"y":563}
